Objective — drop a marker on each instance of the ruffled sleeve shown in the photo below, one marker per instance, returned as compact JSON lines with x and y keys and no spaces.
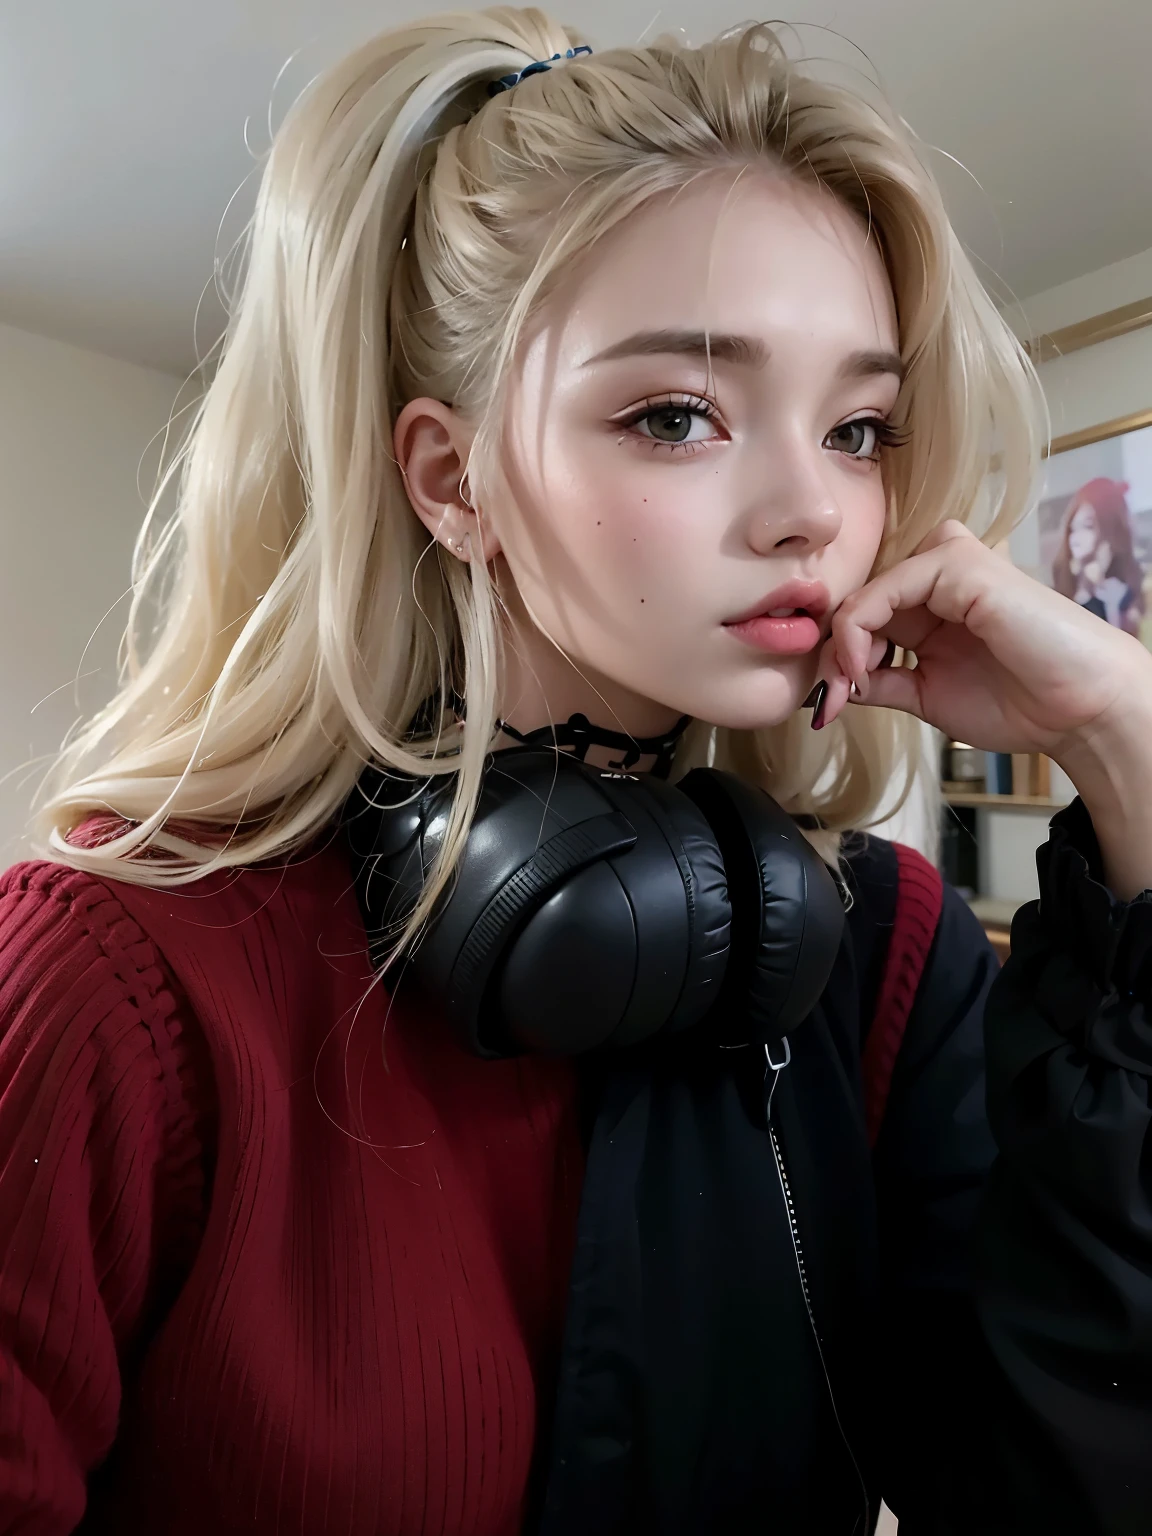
{"x":1064,"y":1266}
{"x":105,"y":1130}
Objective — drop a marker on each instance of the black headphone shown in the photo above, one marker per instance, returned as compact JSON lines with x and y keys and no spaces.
{"x":593,"y":908}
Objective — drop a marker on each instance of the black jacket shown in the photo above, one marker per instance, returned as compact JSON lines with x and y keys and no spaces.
{"x":984,"y":1316}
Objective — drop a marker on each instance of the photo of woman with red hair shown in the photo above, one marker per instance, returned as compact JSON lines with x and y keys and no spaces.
{"x":1096,"y":563}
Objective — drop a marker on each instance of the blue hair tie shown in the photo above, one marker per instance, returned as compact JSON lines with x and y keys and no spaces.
{"x":506,"y":82}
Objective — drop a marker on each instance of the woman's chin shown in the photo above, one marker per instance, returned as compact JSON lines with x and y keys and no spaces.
{"x":759,"y":707}
{"x":752,"y":722}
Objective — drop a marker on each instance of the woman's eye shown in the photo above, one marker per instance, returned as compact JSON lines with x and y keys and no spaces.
{"x":857,"y":439}
{"x":673,"y":424}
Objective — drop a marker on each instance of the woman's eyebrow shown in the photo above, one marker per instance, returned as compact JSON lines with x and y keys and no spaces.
{"x":867,"y":365}
{"x":746,"y":350}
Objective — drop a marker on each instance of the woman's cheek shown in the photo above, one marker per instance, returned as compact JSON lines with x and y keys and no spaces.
{"x":634,"y":531}
{"x":863,"y":531}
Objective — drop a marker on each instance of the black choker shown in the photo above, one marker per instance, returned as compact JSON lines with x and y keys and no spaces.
{"x":577,"y":734}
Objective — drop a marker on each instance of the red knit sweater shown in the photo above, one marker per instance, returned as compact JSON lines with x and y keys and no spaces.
{"x":270,"y":1277}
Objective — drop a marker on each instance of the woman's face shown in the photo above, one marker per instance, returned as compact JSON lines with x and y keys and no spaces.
{"x":1082,"y":532}
{"x":664,"y":500}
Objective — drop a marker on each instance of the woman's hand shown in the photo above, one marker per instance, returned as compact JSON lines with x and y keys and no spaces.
{"x":1002,"y":663}
{"x":1006,"y":664}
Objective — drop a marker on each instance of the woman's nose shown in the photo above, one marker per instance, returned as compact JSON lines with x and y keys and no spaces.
{"x":800,"y":513}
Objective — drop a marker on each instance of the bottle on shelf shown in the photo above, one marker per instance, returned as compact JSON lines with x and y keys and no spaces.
{"x":962,"y":770}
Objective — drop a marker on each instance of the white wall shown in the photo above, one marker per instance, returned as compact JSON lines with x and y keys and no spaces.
{"x":74,"y":427}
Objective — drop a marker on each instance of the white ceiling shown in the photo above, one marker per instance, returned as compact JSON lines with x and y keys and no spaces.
{"x":122,"y":135}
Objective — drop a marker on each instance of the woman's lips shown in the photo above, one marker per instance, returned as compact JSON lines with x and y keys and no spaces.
{"x":791,"y":636}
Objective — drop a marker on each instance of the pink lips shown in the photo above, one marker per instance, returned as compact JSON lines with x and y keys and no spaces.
{"x":781,"y":637}
{"x":785,"y":623}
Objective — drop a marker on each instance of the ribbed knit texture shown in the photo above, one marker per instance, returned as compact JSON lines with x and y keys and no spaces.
{"x":290,"y":1281}
{"x":919,"y":898}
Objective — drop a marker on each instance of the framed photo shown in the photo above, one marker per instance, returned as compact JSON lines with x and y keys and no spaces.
{"x":1091,"y":534}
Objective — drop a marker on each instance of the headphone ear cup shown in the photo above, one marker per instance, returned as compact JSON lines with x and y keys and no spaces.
{"x":631,"y":947}
{"x":684,"y":923}
{"x":538,"y":825}
{"x":568,"y":979}
{"x":787,"y":916}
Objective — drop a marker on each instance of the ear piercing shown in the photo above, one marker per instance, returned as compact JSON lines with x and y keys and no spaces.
{"x":464,"y":540}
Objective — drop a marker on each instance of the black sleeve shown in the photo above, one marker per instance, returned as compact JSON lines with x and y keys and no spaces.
{"x":1019,"y":1314}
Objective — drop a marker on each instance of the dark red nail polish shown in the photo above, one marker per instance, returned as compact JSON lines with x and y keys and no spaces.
{"x":819,"y":695}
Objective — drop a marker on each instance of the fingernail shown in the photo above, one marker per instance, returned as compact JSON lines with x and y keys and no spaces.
{"x":820,"y":694}
{"x":889,"y":652}
{"x":813,"y":698}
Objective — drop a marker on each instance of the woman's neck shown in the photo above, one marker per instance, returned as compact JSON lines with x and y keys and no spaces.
{"x":540,"y":687}
{"x":539,"y":684}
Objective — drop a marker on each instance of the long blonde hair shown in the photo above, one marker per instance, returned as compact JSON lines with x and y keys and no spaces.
{"x":408,"y":228}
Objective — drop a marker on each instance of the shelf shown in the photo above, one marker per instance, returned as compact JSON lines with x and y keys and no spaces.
{"x":995,"y":912}
{"x":1007,"y":802}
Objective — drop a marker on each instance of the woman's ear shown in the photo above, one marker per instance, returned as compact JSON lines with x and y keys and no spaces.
{"x":432,"y":444}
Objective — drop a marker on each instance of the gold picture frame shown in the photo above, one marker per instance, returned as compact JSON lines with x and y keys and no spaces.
{"x":1086,"y":333}
{"x":1117,"y":427}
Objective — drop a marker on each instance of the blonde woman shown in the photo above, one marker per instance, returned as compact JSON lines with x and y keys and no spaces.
{"x":590,"y":426}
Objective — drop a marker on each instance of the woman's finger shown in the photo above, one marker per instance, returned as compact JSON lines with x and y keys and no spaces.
{"x":943,"y":533}
{"x":882,"y":652}
{"x":840,"y":687}
{"x":938,"y":580}
{"x":892,"y":688}
{"x":835,"y":697}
